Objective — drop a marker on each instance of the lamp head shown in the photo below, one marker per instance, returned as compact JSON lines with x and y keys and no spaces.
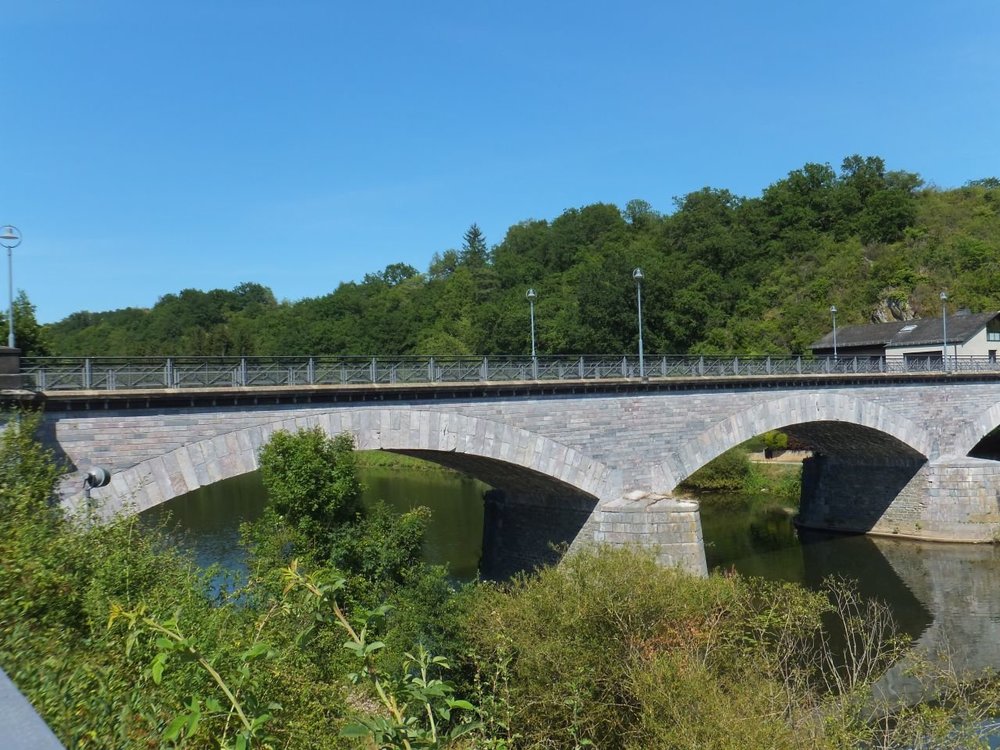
{"x":10,"y":236}
{"x":531,"y":295}
{"x":944,"y":296}
{"x":637,"y":274}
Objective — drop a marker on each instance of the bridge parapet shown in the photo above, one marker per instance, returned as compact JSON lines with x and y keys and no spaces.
{"x":172,"y":373}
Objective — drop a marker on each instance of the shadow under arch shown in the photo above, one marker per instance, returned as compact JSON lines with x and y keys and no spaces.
{"x":832,"y":424}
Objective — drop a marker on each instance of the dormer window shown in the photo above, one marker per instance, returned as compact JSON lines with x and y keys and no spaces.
{"x":993,"y":330}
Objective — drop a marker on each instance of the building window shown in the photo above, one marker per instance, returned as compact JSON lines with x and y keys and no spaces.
{"x":993,"y":330}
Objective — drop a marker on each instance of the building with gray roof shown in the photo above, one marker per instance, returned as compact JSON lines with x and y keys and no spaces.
{"x":969,"y":335}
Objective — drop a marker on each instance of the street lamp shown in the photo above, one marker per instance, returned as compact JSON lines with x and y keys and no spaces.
{"x":833,"y":312}
{"x":10,"y":237}
{"x":637,"y":275}
{"x":944,"y":330}
{"x":532,"y":296}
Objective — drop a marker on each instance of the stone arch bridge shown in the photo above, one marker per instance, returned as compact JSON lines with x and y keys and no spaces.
{"x":579,"y":461}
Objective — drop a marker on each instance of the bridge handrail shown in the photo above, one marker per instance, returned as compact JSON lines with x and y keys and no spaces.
{"x":131,"y":373}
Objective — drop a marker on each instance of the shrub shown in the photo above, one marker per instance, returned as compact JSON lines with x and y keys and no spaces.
{"x":730,"y":471}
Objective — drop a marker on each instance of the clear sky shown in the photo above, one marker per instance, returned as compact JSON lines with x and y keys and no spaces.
{"x":148,"y":147}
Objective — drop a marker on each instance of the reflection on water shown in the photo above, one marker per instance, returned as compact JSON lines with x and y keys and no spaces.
{"x":946,"y":597}
{"x":209,"y":518}
{"x":766,"y":543}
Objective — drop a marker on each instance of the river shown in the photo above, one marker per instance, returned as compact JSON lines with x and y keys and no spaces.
{"x":944,"y":596}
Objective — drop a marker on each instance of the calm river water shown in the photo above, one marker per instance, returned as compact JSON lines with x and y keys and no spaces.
{"x":944,"y":596}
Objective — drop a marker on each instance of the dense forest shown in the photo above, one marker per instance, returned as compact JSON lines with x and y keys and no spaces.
{"x":723,"y":274}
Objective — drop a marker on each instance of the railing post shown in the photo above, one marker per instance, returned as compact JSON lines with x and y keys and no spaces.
{"x":736,"y":365}
{"x":581,"y":370}
{"x":168,"y":373}
{"x":882,"y":365}
{"x":767,"y":365}
{"x":87,"y":379}
{"x":484,"y":370}
{"x":701,"y":365}
{"x":855,"y":364}
{"x":311,"y":372}
{"x":112,"y":384}
{"x":624,"y":367}
{"x":243,"y":372}
{"x":373,"y":370}
{"x":430,"y":370}
{"x":798,"y":364}
{"x":663,"y":367}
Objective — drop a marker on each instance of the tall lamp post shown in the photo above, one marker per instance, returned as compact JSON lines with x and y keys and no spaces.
{"x":944,"y":330}
{"x":637,"y":275}
{"x":10,"y":237}
{"x":532,"y":296}
{"x":833,"y":312}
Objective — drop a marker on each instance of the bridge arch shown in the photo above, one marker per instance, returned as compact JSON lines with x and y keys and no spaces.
{"x":975,"y":431}
{"x":476,"y":444}
{"x":828,"y":420}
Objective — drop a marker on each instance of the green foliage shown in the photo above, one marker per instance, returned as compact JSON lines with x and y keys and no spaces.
{"x":776,"y":440}
{"x":417,"y":707}
{"x":730,"y":471}
{"x":29,"y":336}
{"x":312,"y":483}
{"x":587,"y":644}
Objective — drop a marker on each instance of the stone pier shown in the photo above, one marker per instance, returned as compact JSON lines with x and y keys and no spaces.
{"x":669,"y":525}
{"x":523,"y":531}
{"x":953,"y":499}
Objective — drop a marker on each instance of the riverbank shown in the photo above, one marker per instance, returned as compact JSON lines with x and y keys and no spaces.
{"x":735,"y":479}
{"x":401,"y":462}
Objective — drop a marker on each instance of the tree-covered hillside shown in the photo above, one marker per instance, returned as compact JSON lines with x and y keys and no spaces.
{"x":723,"y":274}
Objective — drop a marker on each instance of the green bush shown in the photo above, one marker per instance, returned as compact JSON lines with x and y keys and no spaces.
{"x":585,"y":645}
{"x":311,"y":482}
{"x":730,"y":471}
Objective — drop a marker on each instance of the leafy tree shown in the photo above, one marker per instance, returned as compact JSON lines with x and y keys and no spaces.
{"x":30,"y":337}
{"x":311,"y":482}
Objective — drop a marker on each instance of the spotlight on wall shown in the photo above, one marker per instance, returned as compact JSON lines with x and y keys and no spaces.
{"x":98,"y":476}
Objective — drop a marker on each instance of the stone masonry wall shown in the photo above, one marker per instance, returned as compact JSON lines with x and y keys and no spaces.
{"x":954,"y":501}
{"x":604,"y":445}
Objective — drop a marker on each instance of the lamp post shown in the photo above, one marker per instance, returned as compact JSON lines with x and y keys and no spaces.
{"x":532,"y":296}
{"x":944,"y":330}
{"x":833,"y":312}
{"x":10,"y":237}
{"x":637,"y":275}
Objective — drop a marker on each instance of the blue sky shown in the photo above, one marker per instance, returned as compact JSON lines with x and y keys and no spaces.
{"x":150,"y":147}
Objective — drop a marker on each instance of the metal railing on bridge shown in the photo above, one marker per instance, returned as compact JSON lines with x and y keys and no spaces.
{"x":121,"y":373}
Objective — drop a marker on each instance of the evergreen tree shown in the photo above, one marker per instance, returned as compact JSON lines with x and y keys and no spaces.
{"x":474,"y":252}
